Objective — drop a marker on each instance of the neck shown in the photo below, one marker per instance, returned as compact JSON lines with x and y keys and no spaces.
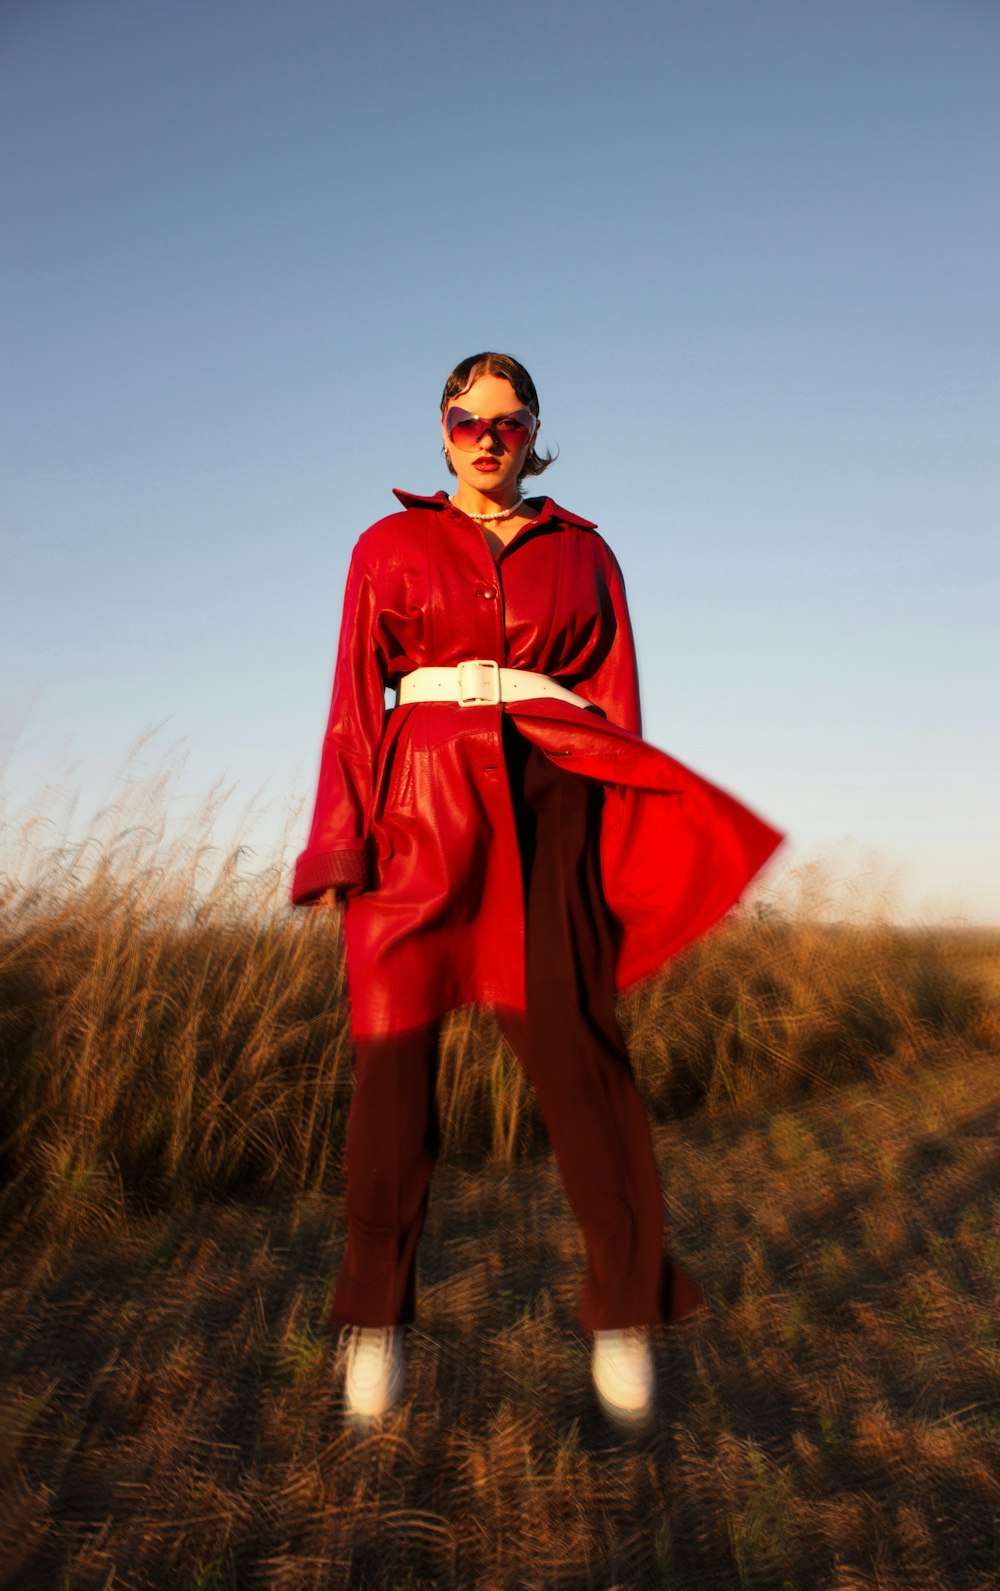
{"x":471,"y":501}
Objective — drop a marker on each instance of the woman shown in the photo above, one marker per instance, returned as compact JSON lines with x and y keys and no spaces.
{"x":504,"y":836}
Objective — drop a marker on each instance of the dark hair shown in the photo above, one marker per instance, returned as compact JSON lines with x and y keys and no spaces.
{"x":491,"y":364}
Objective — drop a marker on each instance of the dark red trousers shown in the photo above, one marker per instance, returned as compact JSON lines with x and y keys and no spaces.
{"x":572,"y":1050}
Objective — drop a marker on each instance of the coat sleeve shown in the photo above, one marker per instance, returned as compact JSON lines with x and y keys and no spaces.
{"x":614,"y":684}
{"x":336,"y":853}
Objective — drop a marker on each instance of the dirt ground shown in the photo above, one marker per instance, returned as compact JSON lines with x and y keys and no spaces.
{"x":172,"y":1417}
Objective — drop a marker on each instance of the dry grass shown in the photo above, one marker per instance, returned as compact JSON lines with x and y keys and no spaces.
{"x":175,"y":1074}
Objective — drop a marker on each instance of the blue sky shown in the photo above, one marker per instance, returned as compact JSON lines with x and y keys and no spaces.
{"x":749,"y":250}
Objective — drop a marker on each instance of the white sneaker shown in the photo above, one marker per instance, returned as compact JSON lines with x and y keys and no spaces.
{"x":375,"y":1369}
{"x":625,"y":1376}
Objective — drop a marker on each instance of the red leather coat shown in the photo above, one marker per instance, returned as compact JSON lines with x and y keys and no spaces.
{"x":413,"y":818}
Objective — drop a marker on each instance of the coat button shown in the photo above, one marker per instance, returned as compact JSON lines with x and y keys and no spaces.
{"x":489,"y":592}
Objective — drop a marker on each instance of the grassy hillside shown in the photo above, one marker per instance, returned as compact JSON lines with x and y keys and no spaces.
{"x":175,"y":1073}
{"x":155,"y":1046}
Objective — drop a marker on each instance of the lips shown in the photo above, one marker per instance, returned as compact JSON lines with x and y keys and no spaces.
{"x":487,"y":465}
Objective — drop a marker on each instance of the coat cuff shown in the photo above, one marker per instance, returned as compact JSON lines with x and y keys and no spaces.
{"x":346,"y":867}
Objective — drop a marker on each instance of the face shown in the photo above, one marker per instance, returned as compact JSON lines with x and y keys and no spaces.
{"x":491,"y":467}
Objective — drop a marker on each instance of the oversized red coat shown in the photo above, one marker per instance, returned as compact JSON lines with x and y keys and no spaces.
{"x":413,"y":817}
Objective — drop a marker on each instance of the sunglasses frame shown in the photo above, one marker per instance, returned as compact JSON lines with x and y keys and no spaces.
{"x":486,"y":425}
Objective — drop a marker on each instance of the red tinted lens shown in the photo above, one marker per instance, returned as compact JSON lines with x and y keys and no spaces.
{"x":468,"y":430}
{"x":512,"y":433}
{"x":465,"y":429}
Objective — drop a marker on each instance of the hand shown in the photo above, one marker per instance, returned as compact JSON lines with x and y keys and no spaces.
{"x":329,"y":900}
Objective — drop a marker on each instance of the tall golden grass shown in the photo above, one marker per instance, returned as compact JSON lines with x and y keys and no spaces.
{"x":175,"y":1073}
{"x":171,"y":1029}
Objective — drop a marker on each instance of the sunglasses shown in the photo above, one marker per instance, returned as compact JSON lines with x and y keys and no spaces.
{"x":467,"y":430}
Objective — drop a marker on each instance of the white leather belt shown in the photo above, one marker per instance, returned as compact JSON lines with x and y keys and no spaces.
{"x":478,"y":681}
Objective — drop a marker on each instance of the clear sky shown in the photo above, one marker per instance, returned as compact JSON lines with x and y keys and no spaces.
{"x":749,"y":250}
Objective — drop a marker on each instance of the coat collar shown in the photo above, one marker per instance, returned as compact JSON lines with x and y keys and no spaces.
{"x":548,"y":510}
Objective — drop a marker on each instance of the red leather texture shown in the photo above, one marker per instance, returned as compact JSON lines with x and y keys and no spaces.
{"x":413,"y":821}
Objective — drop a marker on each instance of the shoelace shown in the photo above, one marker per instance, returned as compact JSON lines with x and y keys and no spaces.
{"x":350,"y":1336}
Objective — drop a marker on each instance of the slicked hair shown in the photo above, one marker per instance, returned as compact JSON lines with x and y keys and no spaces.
{"x":510,"y":369}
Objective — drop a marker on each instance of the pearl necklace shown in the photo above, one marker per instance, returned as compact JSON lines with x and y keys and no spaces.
{"x":501,"y":513}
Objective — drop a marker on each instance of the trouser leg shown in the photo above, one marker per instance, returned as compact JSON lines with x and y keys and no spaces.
{"x":393,"y":1138}
{"x":572,"y":1049}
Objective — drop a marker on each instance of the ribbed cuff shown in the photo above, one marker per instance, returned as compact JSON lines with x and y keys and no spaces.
{"x":315,"y":872}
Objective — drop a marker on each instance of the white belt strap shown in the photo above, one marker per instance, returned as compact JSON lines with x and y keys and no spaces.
{"x":477,"y":681}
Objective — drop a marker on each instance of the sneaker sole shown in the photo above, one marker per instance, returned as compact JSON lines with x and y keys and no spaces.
{"x":631,"y":1422}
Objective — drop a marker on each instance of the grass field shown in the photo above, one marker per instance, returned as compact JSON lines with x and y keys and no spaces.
{"x":175,"y":1074}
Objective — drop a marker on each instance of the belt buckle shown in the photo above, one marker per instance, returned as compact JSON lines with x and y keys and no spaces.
{"x":474,"y":694}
